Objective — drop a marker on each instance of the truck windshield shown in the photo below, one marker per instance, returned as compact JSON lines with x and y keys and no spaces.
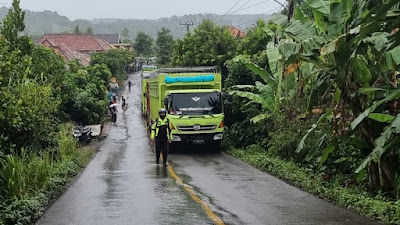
{"x":196,"y":103}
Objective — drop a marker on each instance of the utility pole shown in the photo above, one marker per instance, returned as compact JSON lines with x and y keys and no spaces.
{"x":187,"y":24}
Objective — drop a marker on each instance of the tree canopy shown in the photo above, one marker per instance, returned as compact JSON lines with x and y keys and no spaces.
{"x":143,"y":44}
{"x":164,"y":46}
{"x":208,"y":44}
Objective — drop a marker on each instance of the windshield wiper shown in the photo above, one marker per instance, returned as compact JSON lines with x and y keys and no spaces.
{"x":198,"y":114}
{"x":192,"y":115}
{"x":210,"y":114}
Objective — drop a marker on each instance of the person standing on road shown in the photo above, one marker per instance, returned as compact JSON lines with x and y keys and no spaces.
{"x":161,"y":135}
{"x":130,"y":85}
{"x":113,"y":111}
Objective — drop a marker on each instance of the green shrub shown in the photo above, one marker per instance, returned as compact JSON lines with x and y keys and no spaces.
{"x":39,"y":170}
{"x":116,"y":60}
{"x":14,"y":175}
{"x":27,"y":116}
{"x":23,"y":174}
{"x":28,"y":208}
{"x":67,"y":143}
{"x":23,"y":211}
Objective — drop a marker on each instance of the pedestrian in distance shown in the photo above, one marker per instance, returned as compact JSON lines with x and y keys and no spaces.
{"x":123,"y":106}
{"x":161,"y":135}
{"x":129,"y":85}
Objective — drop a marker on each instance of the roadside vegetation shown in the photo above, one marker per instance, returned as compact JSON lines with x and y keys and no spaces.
{"x":40,"y":99}
{"x":316,"y":98}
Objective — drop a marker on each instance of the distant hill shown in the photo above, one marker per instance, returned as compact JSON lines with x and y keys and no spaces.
{"x":39,"y":23}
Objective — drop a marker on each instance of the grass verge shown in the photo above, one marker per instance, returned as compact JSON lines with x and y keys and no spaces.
{"x":28,"y":208}
{"x":352,"y":197}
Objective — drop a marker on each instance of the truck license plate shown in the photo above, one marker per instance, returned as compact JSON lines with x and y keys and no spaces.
{"x":198,"y":141}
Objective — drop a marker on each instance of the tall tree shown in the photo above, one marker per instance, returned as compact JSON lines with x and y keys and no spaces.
{"x":27,"y":104}
{"x":125,"y":33}
{"x":77,"y":30}
{"x":143,"y":44}
{"x":13,"y":25}
{"x":89,"y":30}
{"x":164,"y":46}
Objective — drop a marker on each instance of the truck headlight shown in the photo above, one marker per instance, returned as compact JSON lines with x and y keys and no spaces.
{"x":176,"y":138}
{"x":218,"y":136}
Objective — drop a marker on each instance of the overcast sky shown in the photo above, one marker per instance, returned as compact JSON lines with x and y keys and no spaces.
{"x":146,"y":9}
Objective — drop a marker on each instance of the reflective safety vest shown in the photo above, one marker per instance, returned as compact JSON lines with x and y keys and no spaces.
{"x":162,"y":125}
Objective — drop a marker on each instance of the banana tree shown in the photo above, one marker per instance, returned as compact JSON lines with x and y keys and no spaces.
{"x":261,"y":93}
{"x":283,"y":56}
{"x":353,"y":48}
{"x":359,"y":55}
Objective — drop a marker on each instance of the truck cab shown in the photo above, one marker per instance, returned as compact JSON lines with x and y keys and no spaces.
{"x":196,"y":116}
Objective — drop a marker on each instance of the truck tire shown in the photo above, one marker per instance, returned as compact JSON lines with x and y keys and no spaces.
{"x":217,"y":147}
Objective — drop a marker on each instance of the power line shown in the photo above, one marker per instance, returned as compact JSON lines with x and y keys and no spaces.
{"x":241,"y":9}
{"x":237,"y":3}
{"x":252,"y":20}
{"x":252,"y":6}
{"x":280,"y":4}
{"x":245,"y":4}
{"x":228,"y":12}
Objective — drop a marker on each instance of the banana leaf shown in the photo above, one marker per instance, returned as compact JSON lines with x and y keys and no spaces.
{"x":260,"y":117}
{"x":393,"y":95}
{"x":263,"y":74}
{"x":255,"y":98}
{"x":380,"y":117}
{"x":322,"y":6}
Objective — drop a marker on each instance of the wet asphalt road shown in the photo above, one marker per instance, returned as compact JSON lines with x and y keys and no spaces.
{"x":123,"y":185}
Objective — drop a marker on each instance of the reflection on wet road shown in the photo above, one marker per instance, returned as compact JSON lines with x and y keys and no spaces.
{"x":123,"y":185}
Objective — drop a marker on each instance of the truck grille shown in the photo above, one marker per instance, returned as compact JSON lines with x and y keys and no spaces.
{"x":197,"y":128}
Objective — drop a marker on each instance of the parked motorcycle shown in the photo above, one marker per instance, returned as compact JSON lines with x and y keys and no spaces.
{"x":83,"y":134}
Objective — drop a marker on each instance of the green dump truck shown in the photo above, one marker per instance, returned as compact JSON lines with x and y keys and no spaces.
{"x":193,"y":100}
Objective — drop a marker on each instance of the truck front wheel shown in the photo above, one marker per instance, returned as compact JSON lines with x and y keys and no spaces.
{"x":216,"y":147}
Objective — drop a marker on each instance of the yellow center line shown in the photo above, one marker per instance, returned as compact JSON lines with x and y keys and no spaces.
{"x":203,"y":204}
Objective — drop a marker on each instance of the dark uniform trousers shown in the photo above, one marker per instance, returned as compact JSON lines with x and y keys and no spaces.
{"x":162,"y":146}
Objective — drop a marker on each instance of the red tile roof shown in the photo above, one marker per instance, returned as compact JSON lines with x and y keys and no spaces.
{"x":67,"y":53}
{"x":77,"y":42}
{"x":236,"y":32}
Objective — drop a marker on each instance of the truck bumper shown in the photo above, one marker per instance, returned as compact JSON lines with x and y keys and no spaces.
{"x":197,"y":138}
